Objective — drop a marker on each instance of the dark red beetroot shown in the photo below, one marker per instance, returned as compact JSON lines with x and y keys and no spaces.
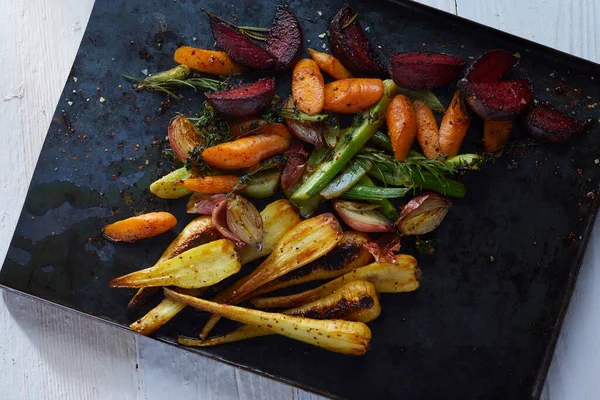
{"x":351,"y":46}
{"x":549,"y":125}
{"x":424,"y":70}
{"x":497,"y":101}
{"x":238,"y":46}
{"x":295,"y":164}
{"x":285,"y":39}
{"x":491,"y":66}
{"x":245,"y":100}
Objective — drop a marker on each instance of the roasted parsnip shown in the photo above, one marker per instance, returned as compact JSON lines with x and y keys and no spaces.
{"x":403,"y":276}
{"x":355,"y":301}
{"x":307,"y":241}
{"x":198,"y":267}
{"x":345,"y":337}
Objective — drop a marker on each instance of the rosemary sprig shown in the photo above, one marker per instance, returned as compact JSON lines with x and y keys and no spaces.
{"x":167,"y":85}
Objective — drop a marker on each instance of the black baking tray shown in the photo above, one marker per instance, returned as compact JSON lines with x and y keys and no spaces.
{"x":484,"y":323}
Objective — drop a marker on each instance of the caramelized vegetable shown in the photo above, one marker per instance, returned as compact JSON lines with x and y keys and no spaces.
{"x":402,"y":125}
{"x":427,"y":130}
{"x":308,"y":87}
{"x":454,"y":126}
{"x":352,"y":95}
{"x":244,"y":220}
{"x":330,"y":64}
{"x":307,"y":241}
{"x":200,"y":203}
{"x":363,"y":217}
{"x":211,"y":184}
{"x":500,"y":100}
{"x":247,"y":151}
{"x":355,"y":301}
{"x":167,"y":187}
{"x":197,"y":267}
{"x":307,"y":131}
{"x":244,"y":100}
{"x":424,"y":70}
{"x":495,"y":134}
{"x":423,"y":214}
{"x":349,"y":254}
{"x":184,"y":137}
{"x":546,"y":124}
{"x":339,"y":336}
{"x":208,"y":61}
{"x":263,"y":185}
{"x":295,"y":164}
{"x":285,"y":38}
{"x":402,"y":276}
{"x":140,"y":227}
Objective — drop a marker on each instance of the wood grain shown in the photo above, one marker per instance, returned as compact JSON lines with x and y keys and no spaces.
{"x":49,"y":353}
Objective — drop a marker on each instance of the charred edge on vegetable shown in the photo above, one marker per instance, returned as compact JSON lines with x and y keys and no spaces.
{"x":338,"y":310}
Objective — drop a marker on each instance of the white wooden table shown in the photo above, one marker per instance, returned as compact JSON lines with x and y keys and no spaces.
{"x":49,"y":353}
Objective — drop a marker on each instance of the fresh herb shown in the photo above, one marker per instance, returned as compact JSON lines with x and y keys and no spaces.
{"x":214,"y":130}
{"x":174,"y":78}
{"x":253,"y":32}
{"x":269,"y":163}
{"x":424,"y":247}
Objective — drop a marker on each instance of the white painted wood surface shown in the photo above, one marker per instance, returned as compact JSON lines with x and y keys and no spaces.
{"x":48,"y":353}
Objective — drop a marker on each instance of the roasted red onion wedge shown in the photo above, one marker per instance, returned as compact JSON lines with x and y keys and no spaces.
{"x":423,"y":214}
{"x":285,"y":39}
{"x":491,"y":66}
{"x":245,"y":100}
{"x":244,"y":221}
{"x":498,"y":101}
{"x":351,"y":46}
{"x":238,"y":46}
{"x":384,"y":249}
{"x":308,"y":131}
{"x":295,"y":164}
{"x":546,"y":124}
{"x":424,"y":70}
{"x":200,"y":203}
{"x":362,"y":217}
{"x":219,"y":217}
{"x":183,"y":137}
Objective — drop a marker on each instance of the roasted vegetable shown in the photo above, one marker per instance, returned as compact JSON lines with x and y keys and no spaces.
{"x":385,"y":248}
{"x":361,"y":191}
{"x":308,"y":87}
{"x":352,"y":95}
{"x":208,"y":61}
{"x":351,"y":46}
{"x":295,"y":164}
{"x":244,"y":100}
{"x":339,"y":336}
{"x":177,"y":77}
{"x":263,"y":185}
{"x":349,"y":254}
{"x":285,"y":38}
{"x":351,"y":175}
{"x":427,"y":130}
{"x":184,"y":137}
{"x":141,"y":298}
{"x":495,"y":134}
{"x":330,"y":64}
{"x":167,"y":187}
{"x":424,"y":70}
{"x":424,"y":95}
{"x":200,"y":203}
{"x":140,"y":227}
{"x":197,"y":267}
{"x":546,"y":124}
{"x":453,"y":127}
{"x":423,"y":214}
{"x":211,"y":184}
{"x":365,"y":125}
{"x":491,"y":66}
{"x":401,"y":276}
{"x":355,"y":301}
{"x":307,"y":131}
{"x":500,"y":100}
{"x":237,"y":46}
{"x":244,"y":220}
{"x":362,"y":217}
{"x":247,"y":151}
{"x":402,"y":125}
{"x":307,"y":241}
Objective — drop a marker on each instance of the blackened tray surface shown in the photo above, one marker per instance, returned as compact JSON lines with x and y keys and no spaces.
{"x":493,"y":296}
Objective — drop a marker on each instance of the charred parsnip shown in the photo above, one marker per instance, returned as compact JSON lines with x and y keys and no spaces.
{"x":307,"y":241}
{"x":355,"y":301}
{"x":345,"y":337}
{"x":403,"y":276}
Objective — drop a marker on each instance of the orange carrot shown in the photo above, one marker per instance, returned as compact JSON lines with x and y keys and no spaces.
{"x":454,"y":126}
{"x":139,"y":227}
{"x":208,"y":61}
{"x":495,"y":134}
{"x":427,"y":130}
{"x":257,"y":126}
{"x":352,"y":95}
{"x":246,"y":151}
{"x":211,"y":184}
{"x":330,"y":64}
{"x":308,"y":86}
{"x":402,"y":125}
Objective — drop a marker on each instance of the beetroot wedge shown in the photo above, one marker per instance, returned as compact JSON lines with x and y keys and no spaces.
{"x":285,"y":39}
{"x":245,"y":100}
{"x":491,"y":66}
{"x":499,"y":100}
{"x":351,"y":46}
{"x":424,"y":70}
{"x":238,"y":46}
{"x":546,"y":124}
